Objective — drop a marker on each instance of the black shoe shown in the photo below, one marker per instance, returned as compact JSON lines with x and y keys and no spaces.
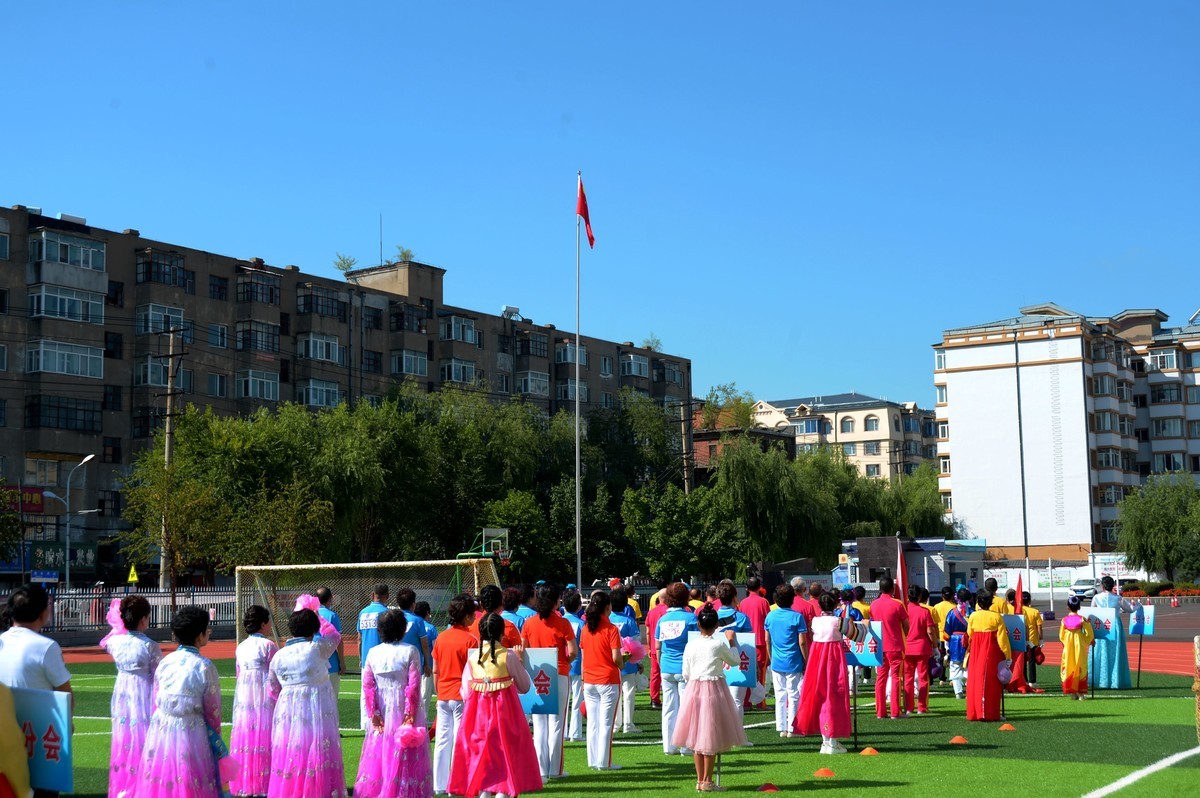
{"x":656,"y":705}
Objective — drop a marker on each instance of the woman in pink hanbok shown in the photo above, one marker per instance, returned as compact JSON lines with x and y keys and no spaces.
{"x":306,"y":749}
{"x":180,"y":755}
{"x":395,"y":754}
{"x":825,"y":698}
{"x":253,"y":705}
{"x":136,"y":657}
{"x":493,"y":755}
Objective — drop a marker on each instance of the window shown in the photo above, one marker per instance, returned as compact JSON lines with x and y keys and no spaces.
{"x":1193,"y":360}
{"x":871,"y":424}
{"x":109,"y":503}
{"x":112,"y":398}
{"x":321,"y":301}
{"x":410,"y":361}
{"x":1166,"y":427}
{"x":1104,"y":385}
{"x":1161,"y":359}
{"x":372,"y":318}
{"x":457,"y":328}
{"x":3,"y":246}
{"x":808,"y":426}
{"x":58,"y":358}
{"x":218,"y":336}
{"x":534,"y":344}
{"x":943,"y":429}
{"x":3,"y":357}
{"x":151,"y":370}
{"x":166,"y":268}
{"x":65,"y":303}
{"x":635,"y":365}
{"x":456,"y":370}
{"x":1125,"y":426}
{"x":566,"y":390}
{"x":1194,"y":429}
{"x":534,"y":383}
{"x":372,"y":362}
{"x":1195,"y":458}
{"x":218,"y":385}
{"x":318,"y":393}
{"x":146,"y":420}
{"x":408,"y":318}
{"x":944,"y":463}
{"x":606,"y":365}
{"x":947,"y":502}
{"x":258,"y":287}
{"x":253,"y":384}
{"x":929,"y":451}
{"x":849,"y":449}
{"x":1167,"y":393}
{"x":153,"y":318}
{"x":3,"y":300}
{"x":941,"y":400}
{"x":873,"y":470}
{"x":503,"y":383}
{"x":61,"y":412}
{"x":565,"y":353}
{"x":1125,"y":391}
{"x":43,"y":473}
{"x":314,"y":346}
{"x":847,"y":425}
{"x":218,"y":287}
{"x":111,"y":452}
{"x":666,"y":371}
{"x":1111,"y":494}
{"x":871,"y":448}
{"x":3,"y":412}
{"x":1108,"y":458}
{"x":606,"y":400}
{"x":939,"y":359}
{"x":1104,"y":421}
{"x":1193,"y":394}
{"x":374,"y":400}
{"x":1167,"y":461}
{"x":1108,"y":532}
{"x":912,"y":424}
{"x":56,"y":247}
{"x":1142,"y":434}
{"x":113,"y":346}
{"x":257,"y":335}
{"x":116,"y":294}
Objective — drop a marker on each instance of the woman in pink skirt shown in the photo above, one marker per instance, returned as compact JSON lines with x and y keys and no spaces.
{"x":825,"y":698}
{"x":395,"y":754}
{"x":708,"y":721}
{"x":253,"y":705}
{"x":306,"y":748}
{"x":494,"y":756}
{"x":137,"y":658}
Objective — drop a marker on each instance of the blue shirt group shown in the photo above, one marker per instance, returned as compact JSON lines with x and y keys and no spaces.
{"x":368,"y":632}
{"x":515,"y":618}
{"x":577,"y":625}
{"x":332,"y":617}
{"x":526,"y":612}
{"x":414,"y":634}
{"x":785,"y":626}
{"x":672,"y":631}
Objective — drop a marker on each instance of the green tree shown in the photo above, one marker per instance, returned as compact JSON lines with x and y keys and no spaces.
{"x":344,"y":263}
{"x":403,"y":253}
{"x":726,"y":407}
{"x":10,"y":520}
{"x":680,"y":535}
{"x":653,"y":343}
{"x":536,"y":553}
{"x":914,"y":505}
{"x":1158,"y":521}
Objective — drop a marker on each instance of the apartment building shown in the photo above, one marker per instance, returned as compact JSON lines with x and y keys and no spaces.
{"x":89,"y":319}
{"x":1046,"y":420}
{"x":882,"y":438}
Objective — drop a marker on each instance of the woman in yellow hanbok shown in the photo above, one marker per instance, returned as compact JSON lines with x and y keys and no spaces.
{"x":14,"y":765}
{"x":1076,"y":636}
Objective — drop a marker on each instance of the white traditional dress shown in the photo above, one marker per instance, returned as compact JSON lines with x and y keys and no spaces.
{"x":253,"y":709}
{"x":395,"y":761}
{"x":136,"y":657}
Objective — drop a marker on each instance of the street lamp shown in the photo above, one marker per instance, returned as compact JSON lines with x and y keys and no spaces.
{"x":67,"y":502}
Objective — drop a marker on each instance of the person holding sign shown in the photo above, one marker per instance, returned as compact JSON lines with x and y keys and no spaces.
{"x":136,"y":657}
{"x":987,"y":646}
{"x":1108,"y":658}
{"x":548,"y":629}
{"x":787,"y":645}
{"x":730,"y":617}
{"x":709,"y":724}
{"x":1076,"y":636}
{"x":493,"y":755}
{"x":825,"y":700}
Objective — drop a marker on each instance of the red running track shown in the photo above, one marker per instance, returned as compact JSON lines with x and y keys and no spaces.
{"x":1158,"y":656}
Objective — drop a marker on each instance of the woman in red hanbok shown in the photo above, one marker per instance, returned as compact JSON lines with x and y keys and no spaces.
{"x":825,"y":697}
{"x":987,"y":647}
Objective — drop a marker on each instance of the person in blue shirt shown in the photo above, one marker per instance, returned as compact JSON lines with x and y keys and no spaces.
{"x":729,"y":616}
{"x":422,"y":610}
{"x":511,"y":602}
{"x":416,"y":636}
{"x":787,"y":644}
{"x":528,"y":603}
{"x":670,"y":639}
{"x":368,"y":637}
{"x":337,"y":660}
{"x":572,"y":603}
{"x":626,"y":627}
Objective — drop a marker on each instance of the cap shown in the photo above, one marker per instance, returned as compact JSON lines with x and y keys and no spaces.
{"x":847,"y":586}
{"x":570,"y":586}
{"x":539,"y":582}
{"x":614,"y":582}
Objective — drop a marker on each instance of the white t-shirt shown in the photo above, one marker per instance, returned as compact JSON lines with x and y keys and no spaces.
{"x":28,"y":659}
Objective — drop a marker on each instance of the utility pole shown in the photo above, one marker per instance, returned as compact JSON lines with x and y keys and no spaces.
{"x":683,"y":439}
{"x":166,"y":574}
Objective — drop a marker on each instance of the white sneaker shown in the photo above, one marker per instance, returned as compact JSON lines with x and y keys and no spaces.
{"x":632,"y":730}
{"x":837,"y":748}
{"x":825,"y":749}
{"x":685,"y":752}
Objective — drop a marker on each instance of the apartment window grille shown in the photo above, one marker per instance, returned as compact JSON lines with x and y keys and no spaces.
{"x":164,"y":268}
{"x":256,"y":335}
{"x":534,"y":344}
{"x":321,"y":301}
{"x":112,"y":398}
{"x":61,"y":412}
{"x":146,"y":420}
{"x":258,"y":287}
{"x":372,"y":362}
{"x":53,"y":301}
{"x":109,"y":503}
{"x":372,"y":318}
{"x":218,"y":287}
{"x":57,"y":247}
{"x":54,"y":357}
{"x":668,"y":372}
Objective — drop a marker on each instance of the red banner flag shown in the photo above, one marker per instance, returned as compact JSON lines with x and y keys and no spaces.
{"x":1018,"y":604}
{"x":901,"y":571}
{"x":581,"y":210}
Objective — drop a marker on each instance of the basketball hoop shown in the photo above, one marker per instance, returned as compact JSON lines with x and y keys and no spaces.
{"x":505,"y":556}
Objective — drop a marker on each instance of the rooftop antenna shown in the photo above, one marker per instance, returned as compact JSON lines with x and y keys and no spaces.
{"x":381,"y":238}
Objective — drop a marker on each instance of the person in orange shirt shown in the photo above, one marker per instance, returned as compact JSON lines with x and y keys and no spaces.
{"x":490,"y":599}
{"x":449,"y":658}
{"x":600,"y":646}
{"x":548,"y":629}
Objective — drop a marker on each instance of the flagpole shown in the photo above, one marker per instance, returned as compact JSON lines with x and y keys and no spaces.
{"x":578,"y":486}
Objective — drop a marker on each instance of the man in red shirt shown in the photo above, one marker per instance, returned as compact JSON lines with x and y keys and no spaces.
{"x":802,"y":605}
{"x":755,"y":608}
{"x":814,"y":594}
{"x":656,"y":612}
{"x":890,"y":612}
{"x":919,"y":647}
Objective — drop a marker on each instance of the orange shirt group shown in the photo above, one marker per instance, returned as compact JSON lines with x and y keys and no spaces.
{"x":596,"y":648}
{"x":552,"y":632}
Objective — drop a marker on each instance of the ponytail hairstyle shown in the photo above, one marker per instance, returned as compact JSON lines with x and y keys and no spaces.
{"x":983,"y":599}
{"x":963,"y":596}
{"x":254,"y":618}
{"x":727,"y":593}
{"x":914,"y":593}
{"x":597,"y":608}
{"x":133,"y":610}
{"x":25,"y":605}
{"x":491,"y":631}
{"x":572,"y":601}
{"x":827,"y":602}
{"x":460,"y":608}
{"x":547,"y":597}
{"x":706,"y":618}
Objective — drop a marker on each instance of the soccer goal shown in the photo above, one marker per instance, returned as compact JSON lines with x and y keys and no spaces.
{"x":277,"y":587}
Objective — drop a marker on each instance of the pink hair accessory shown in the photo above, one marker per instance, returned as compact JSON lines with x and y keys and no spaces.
{"x":114,"y":620}
{"x":307,"y":602}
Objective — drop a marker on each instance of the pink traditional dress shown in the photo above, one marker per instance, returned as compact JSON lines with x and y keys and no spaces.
{"x":178,"y":760}
{"x":494,"y":752}
{"x":709,"y":722}
{"x":825,"y":699}
{"x":253,"y":710}
{"x":395,"y":762}
{"x":137,"y":657}
{"x":306,"y":748}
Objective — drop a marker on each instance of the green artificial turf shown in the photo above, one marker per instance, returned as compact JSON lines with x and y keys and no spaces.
{"x":1059,"y":748}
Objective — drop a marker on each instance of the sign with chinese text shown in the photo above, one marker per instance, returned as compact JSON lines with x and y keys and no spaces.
{"x":1103,"y":619}
{"x":542,"y":697}
{"x":52,"y":556}
{"x":44,"y":717}
{"x":1017,"y":635}
{"x":867,"y":650}
{"x":746,"y":674}
{"x":1141,"y":622}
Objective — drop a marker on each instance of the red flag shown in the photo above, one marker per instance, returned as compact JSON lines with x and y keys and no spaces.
{"x":1019,"y":604}
{"x":581,"y":210}
{"x":901,"y":571}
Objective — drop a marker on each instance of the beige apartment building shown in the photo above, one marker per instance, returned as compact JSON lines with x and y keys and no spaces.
{"x":86,"y":323}
{"x":883,"y":438}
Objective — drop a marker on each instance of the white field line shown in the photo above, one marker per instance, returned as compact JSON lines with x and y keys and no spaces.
{"x":1137,"y":775}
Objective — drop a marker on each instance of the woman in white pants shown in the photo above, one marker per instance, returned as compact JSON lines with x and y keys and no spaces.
{"x":600,"y":645}
{"x":571,"y":604}
{"x":626,"y":627}
{"x":787,"y":645}
{"x":670,"y":639}
{"x":548,"y":629}
{"x":449,"y":659}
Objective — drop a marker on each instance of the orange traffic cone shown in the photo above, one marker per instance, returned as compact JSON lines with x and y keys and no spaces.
{"x":768,"y":787}
{"x":824,"y":773}
{"x":868,"y":752}
{"x":1008,"y":727}
{"x":958,"y":740}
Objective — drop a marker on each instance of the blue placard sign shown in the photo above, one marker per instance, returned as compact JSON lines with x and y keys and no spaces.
{"x":44,"y":717}
{"x":1103,"y":619}
{"x":1141,"y":622}
{"x":867,"y":650}
{"x":1017,"y":635}
{"x":542,"y":697}
{"x":746,"y":674}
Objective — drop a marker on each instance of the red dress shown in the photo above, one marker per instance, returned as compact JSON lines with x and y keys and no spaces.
{"x":825,"y":698}
{"x":988,"y":647}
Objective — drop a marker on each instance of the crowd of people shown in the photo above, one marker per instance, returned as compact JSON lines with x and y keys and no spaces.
{"x":286,"y":743}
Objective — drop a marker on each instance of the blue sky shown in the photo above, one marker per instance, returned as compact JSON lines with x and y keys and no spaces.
{"x":798,"y":196}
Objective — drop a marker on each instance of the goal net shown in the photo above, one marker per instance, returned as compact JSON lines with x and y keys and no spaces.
{"x":277,"y":587}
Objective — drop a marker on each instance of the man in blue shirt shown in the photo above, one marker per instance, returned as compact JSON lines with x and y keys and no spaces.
{"x":337,"y":660}
{"x":368,"y":637}
{"x":626,"y":627}
{"x":528,"y":607}
{"x":511,"y":602}
{"x":415,"y":635}
{"x":671,"y":638}
{"x":572,"y":602}
{"x":788,"y":646}
{"x":422,"y":610}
